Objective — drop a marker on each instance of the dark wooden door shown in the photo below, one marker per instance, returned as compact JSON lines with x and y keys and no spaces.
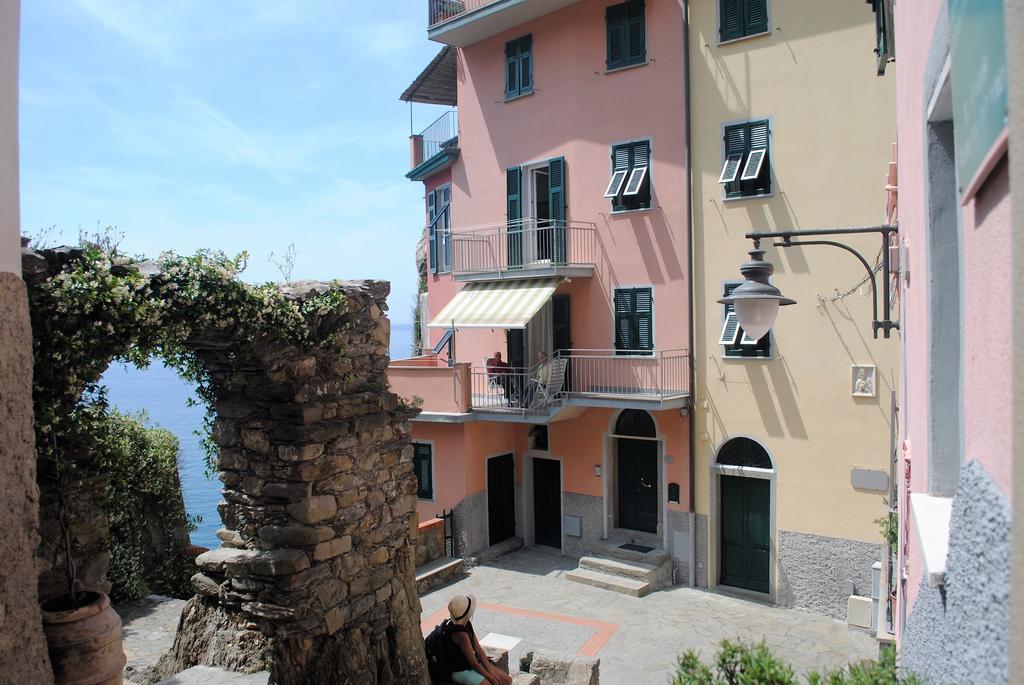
{"x":501,"y":498}
{"x":638,"y":484}
{"x":746,"y":532}
{"x":547,"y":503}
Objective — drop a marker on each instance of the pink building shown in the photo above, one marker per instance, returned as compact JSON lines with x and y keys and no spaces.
{"x":557,"y":238}
{"x":957,"y":403}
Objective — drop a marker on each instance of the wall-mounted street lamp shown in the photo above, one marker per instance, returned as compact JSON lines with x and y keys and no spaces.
{"x":757,"y":302}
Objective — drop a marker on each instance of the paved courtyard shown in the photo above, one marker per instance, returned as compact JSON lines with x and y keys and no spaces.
{"x":523,"y":596}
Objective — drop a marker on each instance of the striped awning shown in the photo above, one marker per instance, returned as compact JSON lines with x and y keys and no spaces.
{"x":496,"y":304}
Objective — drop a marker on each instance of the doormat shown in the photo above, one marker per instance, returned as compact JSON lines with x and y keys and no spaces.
{"x":636,"y":548}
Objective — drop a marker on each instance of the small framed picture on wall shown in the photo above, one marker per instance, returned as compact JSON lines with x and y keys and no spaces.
{"x":862,"y":382}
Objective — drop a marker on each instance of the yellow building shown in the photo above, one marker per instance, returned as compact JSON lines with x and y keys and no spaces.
{"x":790,"y":130}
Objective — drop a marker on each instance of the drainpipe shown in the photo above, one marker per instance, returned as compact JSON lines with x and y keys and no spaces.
{"x":689,"y":284}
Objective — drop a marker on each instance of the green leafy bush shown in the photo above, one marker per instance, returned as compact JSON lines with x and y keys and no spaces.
{"x":740,"y":663}
{"x":148,"y":524}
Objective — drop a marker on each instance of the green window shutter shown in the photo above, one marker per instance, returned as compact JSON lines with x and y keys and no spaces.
{"x":556,"y":202}
{"x":513,"y":177}
{"x":511,"y":68}
{"x":737,"y":142}
{"x":622,"y":160}
{"x":432,"y":231}
{"x":755,"y":17}
{"x":525,"y":65}
{"x":423,"y":462}
{"x":730,"y":18}
{"x":636,"y":32}
{"x":516,"y":347}
{"x":615,"y":20}
{"x":624,"y":319}
{"x":758,"y":135}
{"x":643,"y":312}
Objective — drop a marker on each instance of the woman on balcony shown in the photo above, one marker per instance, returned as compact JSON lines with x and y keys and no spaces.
{"x":540,"y":380}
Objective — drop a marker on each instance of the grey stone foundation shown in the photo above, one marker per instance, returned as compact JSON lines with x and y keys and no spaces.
{"x":590,"y":509}
{"x":701,"y":574}
{"x":469,"y":523}
{"x":679,"y":522}
{"x":959,"y":633}
{"x":813,"y":569}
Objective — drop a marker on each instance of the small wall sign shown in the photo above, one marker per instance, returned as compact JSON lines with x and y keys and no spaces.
{"x":862,"y":382}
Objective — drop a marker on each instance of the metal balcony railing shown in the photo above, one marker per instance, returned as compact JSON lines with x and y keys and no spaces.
{"x":626,"y":375}
{"x":441,"y":134}
{"x":441,"y":11}
{"x":521,"y":245}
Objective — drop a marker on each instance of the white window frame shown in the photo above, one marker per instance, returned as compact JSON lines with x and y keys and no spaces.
{"x":614,"y":188}
{"x":723,"y":178}
{"x":642,"y":172}
{"x":751,"y":175}
{"x":722,"y":340}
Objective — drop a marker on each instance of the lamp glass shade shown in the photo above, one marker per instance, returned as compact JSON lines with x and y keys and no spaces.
{"x":756,"y":315}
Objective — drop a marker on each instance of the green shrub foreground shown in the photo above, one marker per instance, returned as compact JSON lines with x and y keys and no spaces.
{"x":739,"y":663}
{"x":148,"y":523}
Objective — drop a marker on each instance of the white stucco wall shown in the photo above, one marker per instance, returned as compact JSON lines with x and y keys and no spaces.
{"x":10,"y":218}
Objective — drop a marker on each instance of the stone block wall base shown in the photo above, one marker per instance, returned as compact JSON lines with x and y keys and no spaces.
{"x":211,"y":635}
{"x":383,"y":648}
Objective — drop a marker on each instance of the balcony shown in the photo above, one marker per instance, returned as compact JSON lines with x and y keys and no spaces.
{"x":584,"y":378}
{"x":463,"y":22}
{"x":443,"y":389}
{"x":528,"y":248}
{"x":435,"y":148}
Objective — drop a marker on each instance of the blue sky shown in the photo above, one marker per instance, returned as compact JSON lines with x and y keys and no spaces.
{"x":234,"y":124}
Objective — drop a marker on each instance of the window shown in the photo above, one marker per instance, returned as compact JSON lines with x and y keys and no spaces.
{"x":741,"y":18}
{"x":630,"y":185}
{"x":423,"y":466}
{"x":627,"y":34}
{"x":439,"y":234}
{"x":746,"y":171}
{"x":634,"y":321}
{"x":735,"y":341}
{"x":519,"y":67}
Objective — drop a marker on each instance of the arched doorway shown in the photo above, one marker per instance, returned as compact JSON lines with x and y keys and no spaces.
{"x":637,"y":471}
{"x":745,"y":535}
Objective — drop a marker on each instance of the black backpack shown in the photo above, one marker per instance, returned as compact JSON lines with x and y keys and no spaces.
{"x":437,"y":653}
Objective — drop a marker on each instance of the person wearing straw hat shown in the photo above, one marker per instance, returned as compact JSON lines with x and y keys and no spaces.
{"x":469,"y":662}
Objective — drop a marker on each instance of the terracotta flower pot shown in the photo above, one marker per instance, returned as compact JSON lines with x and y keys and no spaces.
{"x":84,"y":639}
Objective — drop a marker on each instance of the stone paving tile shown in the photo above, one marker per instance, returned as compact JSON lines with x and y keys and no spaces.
{"x":204,"y":675}
{"x":149,"y":627}
{"x":652,"y":630}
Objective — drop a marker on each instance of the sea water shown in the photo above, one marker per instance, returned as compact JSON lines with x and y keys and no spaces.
{"x":165,"y":397}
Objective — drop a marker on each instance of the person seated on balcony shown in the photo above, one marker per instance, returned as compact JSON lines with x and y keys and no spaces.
{"x":541,"y":378}
{"x":499,"y":373}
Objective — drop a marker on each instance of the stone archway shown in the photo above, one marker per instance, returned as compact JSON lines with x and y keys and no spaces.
{"x":315,"y":577}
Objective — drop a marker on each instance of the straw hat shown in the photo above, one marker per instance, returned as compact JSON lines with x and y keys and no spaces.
{"x":461,"y":608}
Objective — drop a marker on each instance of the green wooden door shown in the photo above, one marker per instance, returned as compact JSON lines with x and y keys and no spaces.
{"x":745,"y":532}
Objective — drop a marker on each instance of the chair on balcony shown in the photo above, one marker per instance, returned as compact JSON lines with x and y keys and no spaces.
{"x":544,"y":395}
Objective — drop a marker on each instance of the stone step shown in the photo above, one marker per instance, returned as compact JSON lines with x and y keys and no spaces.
{"x":526,"y":679}
{"x":605,"y":581}
{"x":655,"y":557}
{"x":438,"y":572}
{"x":637,"y":570}
{"x":206,"y":675}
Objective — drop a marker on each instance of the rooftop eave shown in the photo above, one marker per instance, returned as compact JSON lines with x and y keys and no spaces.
{"x":490,"y":20}
{"x":435,"y":164}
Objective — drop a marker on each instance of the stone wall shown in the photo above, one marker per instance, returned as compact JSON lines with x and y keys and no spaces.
{"x":88,"y":532}
{"x":315,"y":578}
{"x":430,"y":541}
{"x":469,"y":522}
{"x":22,"y":645}
{"x":814,"y":568}
{"x":590,"y":509}
{"x":959,"y":632}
